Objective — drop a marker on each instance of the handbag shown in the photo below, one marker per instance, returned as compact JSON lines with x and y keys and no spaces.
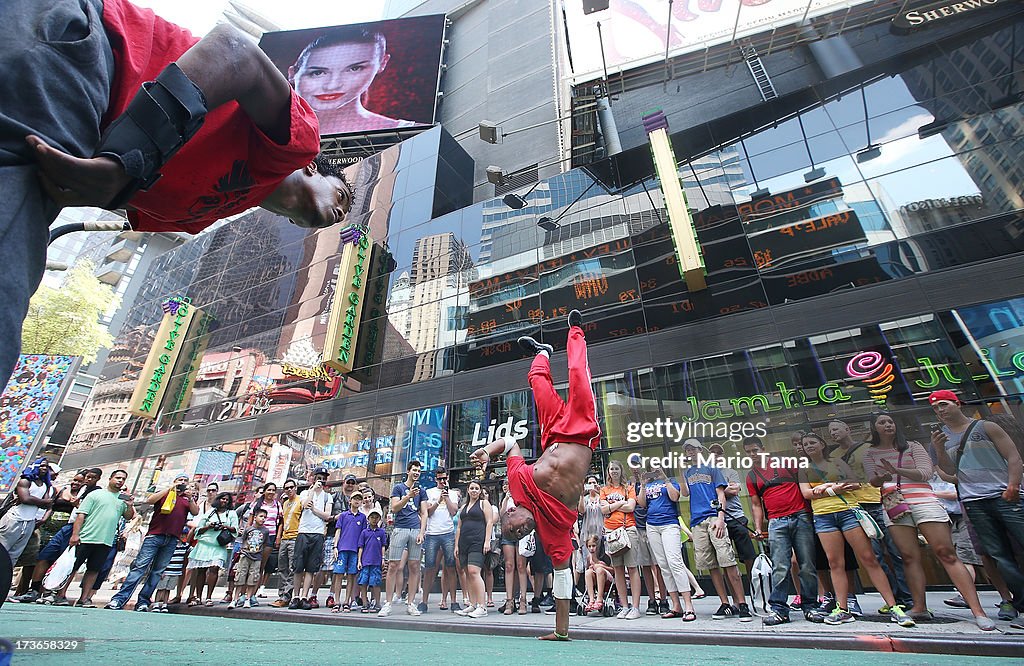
{"x":894,"y":502}
{"x":226,"y":537}
{"x":528,"y":545}
{"x":867,"y":523}
{"x":617,"y":540}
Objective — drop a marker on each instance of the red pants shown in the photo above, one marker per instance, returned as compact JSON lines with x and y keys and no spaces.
{"x":573,"y":422}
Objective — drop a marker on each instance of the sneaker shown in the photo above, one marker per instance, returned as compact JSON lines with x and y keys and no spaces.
{"x":621,"y":615}
{"x":984,"y":623}
{"x":797,"y":604}
{"x":254,"y":601}
{"x":113,"y":605}
{"x":29,"y":597}
{"x":885,"y":610}
{"x":744,"y":613}
{"x":840,"y":616}
{"x":1007,"y":611}
{"x":774,"y":619}
{"x":853,"y":606}
{"x":956,"y":602}
{"x":385,"y":610}
{"x":463,"y":612}
{"x":295,"y":604}
{"x":421,"y":607}
{"x":61,"y":601}
{"x":814,"y":617}
{"x":280,"y":603}
{"x":663,"y":607}
{"x":828,"y":604}
{"x":479,"y":611}
{"x":142,"y":608}
{"x":533,"y":347}
{"x":724,"y":612}
{"x":313,"y":603}
{"x":652,"y":608}
{"x":48,"y":598}
{"x":356,"y":606}
{"x":535,"y":608}
{"x":547,"y":600}
{"x":897,"y":615}
{"x":412,"y":610}
{"x":248,"y":604}
{"x":633,"y":614}
{"x":305,"y":604}
{"x":575,"y":318}
{"x":330,"y":603}
{"x":238,"y":602}
{"x":456,"y":607}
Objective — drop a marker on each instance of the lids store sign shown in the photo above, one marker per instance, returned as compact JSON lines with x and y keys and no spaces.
{"x":921,"y":17}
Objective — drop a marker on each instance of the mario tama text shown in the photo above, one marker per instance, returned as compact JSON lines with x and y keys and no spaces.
{"x":677,"y":431}
{"x":676,"y":460}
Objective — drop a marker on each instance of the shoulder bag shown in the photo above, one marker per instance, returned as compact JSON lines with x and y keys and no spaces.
{"x":894,"y":502}
{"x":226,"y":536}
{"x":617,"y":539}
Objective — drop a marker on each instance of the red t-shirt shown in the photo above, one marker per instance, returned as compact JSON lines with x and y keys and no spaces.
{"x":173,"y":523}
{"x":230,"y":165}
{"x":554,"y":519}
{"x":779,"y":490}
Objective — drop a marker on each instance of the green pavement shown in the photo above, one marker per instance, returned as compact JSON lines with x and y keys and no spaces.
{"x":126,"y":637}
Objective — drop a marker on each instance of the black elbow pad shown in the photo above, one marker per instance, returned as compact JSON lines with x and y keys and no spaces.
{"x":162,"y":117}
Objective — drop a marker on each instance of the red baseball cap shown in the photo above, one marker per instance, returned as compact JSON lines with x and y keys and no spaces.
{"x":944,"y":394}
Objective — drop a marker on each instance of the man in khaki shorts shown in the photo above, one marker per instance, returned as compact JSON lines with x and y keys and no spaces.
{"x":705,"y":486}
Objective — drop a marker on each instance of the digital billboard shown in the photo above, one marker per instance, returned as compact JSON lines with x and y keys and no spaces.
{"x":634,"y":30}
{"x":27,"y":406}
{"x":364,"y":77}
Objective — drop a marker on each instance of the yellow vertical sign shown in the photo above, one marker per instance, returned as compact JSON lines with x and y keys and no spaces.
{"x":347,"y":306}
{"x":156,"y":374}
{"x":684,"y":234}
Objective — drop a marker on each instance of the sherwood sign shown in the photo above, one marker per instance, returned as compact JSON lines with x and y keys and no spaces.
{"x":906,"y":21}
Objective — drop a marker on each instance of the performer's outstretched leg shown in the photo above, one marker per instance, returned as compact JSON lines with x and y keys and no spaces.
{"x":549,"y":404}
{"x":582,"y":408}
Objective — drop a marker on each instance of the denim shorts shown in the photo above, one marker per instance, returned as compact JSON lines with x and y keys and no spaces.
{"x":434,"y":542}
{"x":840,"y":521}
{"x":347,"y":562}
{"x":369,"y":575}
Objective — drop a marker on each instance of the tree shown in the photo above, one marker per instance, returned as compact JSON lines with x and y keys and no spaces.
{"x":67,"y":320}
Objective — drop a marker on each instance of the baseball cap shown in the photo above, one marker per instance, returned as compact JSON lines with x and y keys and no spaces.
{"x":375,"y":510}
{"x":321,"y":470}
{"x":693,"y":443}
{"x":716,"y":448}
{"x":350,"y":477}
{"x":944,"y":394}
{"x":55,"y":469}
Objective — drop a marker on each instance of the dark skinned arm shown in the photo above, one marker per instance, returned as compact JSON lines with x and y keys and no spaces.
{"x":225,"y":66}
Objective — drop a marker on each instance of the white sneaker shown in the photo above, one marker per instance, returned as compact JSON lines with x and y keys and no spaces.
{"x":412,"y":610}
{"x":239,"y":601}
{"x":463,"y":610}
{"x":633,"y":614}
{"x":622,"y":613}
{"x":248,"y":604}
{"x":385,"y":610}
{"x":479,"y":611}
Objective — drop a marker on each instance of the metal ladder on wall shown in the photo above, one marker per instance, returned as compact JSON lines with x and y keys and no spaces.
{"x":757,"y":70}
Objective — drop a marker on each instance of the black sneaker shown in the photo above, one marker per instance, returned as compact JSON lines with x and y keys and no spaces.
{"x":853,"y":607}
{"x":652,"y":608}
{"x":455,"y":606}
{"x":535,"y":608}
{"x":744,"y":612}
{"x":724,"y":612}
{"x":814,"y":616}
{"x":547,"y":600}
{"x":533,"y":347}
{"x":774,"y":619}
{"x":421,"y":607}
{"x":827,"y":606}
{"x":295,"y":604}
{"x":305,"y":605}
{"x":575,"y":318}
{"x":663,"y":607}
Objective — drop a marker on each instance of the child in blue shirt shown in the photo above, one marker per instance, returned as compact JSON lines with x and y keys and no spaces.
{"x":372,"y":543}
{"x":350,"y":526}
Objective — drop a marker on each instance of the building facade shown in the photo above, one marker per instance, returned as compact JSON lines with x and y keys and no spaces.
{"x":828,"y":266}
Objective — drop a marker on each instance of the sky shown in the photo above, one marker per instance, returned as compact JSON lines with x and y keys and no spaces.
{"x":199,"y":16}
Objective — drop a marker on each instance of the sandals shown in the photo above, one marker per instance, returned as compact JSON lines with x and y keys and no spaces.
{"x":209,"y":602}
{"x":522,"y":606}
{"x":442,"y":606}
{"x":702,"y":595}
{"x":194,"y":602}
{"x":688,"y":616}
{"x":672,"y":615}
{"x":490,"y":604}
{"x":338,"y":609}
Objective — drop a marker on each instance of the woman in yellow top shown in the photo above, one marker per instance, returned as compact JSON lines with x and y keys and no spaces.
{"x":827,"y":484}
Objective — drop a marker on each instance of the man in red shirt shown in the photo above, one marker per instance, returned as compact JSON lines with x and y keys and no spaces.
{"x":775,"y":490}
{"x":547,"y":493}
{"x":108,"y":105}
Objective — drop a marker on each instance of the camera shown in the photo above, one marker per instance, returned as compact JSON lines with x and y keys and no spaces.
{"x":716,"y":505}
{"x":181,"y":487}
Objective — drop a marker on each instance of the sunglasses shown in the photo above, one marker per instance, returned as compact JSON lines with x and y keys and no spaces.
{"x":350,"y":483}
{"x":289,"y":487}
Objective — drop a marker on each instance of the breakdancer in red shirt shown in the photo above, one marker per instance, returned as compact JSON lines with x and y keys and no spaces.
{"x":547,"y":492}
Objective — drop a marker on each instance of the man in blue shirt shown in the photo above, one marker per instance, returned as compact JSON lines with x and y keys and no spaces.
{"x":409,"y":505}
{"x":705,"y":486}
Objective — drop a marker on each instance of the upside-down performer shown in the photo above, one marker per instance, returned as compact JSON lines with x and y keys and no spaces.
{"x":547,"y":492}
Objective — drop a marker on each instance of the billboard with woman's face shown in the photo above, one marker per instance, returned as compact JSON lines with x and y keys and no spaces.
{"x":364,"y":77}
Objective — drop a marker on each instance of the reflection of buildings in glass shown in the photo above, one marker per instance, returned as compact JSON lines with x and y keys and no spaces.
{"x":438,"y":281}
{"x":103,"y":416}
{"x":983,"y":140}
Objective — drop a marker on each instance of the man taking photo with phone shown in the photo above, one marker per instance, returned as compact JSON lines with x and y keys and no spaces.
{"x":171,"y":508}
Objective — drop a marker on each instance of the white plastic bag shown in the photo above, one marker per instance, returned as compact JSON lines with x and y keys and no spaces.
{"x":60,"y":571}
{"x":528,"y":545}
{"x":761,"y":583}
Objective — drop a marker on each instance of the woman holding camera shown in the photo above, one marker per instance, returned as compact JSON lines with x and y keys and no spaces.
{"x":214,"y":535}
{"x":659,"y":496}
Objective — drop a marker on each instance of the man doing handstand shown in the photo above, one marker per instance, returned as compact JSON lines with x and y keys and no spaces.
{"x":547,"y":492}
